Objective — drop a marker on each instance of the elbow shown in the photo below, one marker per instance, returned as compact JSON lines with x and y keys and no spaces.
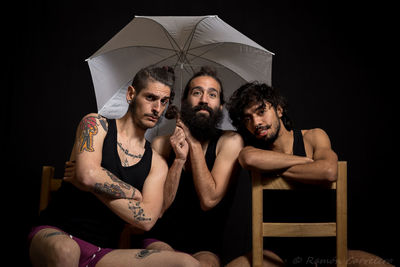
{"x":330,"y":173}
{"x":207,"y":204}
{"x":86,"y":179}
{"x":245,"y":159}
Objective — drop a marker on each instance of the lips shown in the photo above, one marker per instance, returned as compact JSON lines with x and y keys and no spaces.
{"x":262,"y":131}
{"x":152,"y":118}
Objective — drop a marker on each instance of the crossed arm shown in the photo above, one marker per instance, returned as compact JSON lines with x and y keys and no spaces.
{"x":320,"y":165}
{"x":139,"y":209}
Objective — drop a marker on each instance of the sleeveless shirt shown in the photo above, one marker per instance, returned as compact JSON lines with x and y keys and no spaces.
{"x":81,"y":213}
{"x":185,"y":226}
{"x":299,"y":206}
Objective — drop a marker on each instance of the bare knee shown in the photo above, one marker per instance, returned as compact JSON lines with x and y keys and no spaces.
{"x":159,"y":245}
{"x":187,"y":260}
{"x":65,"y":253}
{"x":51,"y":250}
{"x":207,"y":259}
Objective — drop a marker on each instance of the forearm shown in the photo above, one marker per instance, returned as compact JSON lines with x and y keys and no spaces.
{"x":102,"y":182}
{"x":204,"y":182}
{"x":136,"y":213}
{"x":317,"y":171}
{"x":172,"y":183}
{"x":268,"y":161}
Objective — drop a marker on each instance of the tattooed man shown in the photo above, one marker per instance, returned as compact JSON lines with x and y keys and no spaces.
{"x":202,"y":160}
{"x":119,"y":179}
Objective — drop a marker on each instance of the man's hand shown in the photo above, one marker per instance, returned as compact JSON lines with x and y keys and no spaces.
{"x":179,"y":144}
{"x":189,"y":138}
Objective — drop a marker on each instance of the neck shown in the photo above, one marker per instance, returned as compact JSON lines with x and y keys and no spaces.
{"x":128,"y":129}
{"x":284,"y":141}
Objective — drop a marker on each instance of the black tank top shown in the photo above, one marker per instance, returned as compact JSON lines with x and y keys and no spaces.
{"x":185,"y":226}
{"x":299,"y":206}
{"x":81,"y":214}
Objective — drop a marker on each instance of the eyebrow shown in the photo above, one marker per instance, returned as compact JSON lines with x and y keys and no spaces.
{"x":201,"y":88}
{"x":259,"y":107}
{"x":156,"y":96}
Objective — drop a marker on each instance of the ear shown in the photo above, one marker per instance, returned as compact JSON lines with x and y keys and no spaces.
{"x":279,"y":111}
{"x":130,"y":93}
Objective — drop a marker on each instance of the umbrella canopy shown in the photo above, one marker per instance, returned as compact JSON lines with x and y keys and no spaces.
{"x":186,"y":44}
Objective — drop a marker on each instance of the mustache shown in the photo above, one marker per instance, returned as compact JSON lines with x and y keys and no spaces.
{"x":260,"y":128}
{"x":153,"y":115}
{"x":203,"y":107}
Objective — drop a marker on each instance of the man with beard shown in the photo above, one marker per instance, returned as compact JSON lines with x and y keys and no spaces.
{"x":119,"y":179}
{"x":271,"y":145}
{"x":202,"y":160}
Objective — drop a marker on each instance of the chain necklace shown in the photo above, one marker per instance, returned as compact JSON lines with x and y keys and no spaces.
{"x":126,"y":151}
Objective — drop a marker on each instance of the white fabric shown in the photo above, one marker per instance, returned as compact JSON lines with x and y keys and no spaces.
{"x":186,"y":43}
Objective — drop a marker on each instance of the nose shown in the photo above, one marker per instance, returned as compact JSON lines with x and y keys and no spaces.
{"x":156,"y":108}
{"x":256,"y":121}
{"x":204,"y":99}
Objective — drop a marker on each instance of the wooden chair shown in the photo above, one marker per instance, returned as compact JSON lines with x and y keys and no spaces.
{"x":49,"y":185}
{"x":266,"y":229}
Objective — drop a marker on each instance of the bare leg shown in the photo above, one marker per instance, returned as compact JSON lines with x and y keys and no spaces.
{"x":270,"y":260}
{"x":51,"y":247}
{"x":159,"y":245}
{"x":207,"y":259}
{"x":147,"y":258}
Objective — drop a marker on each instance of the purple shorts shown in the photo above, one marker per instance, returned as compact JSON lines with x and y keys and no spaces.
{"x":90,"y":254}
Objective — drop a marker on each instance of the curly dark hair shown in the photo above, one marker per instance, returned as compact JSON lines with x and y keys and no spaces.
{"x":205,"y":71}
{"x":252,"y":93}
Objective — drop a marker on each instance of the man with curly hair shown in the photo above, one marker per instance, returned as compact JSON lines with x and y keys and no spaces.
{"x":272,"y":145}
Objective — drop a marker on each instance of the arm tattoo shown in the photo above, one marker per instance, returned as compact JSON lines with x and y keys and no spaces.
{"x":145,"y":252}
{"x":115,"y":179}
{"x":88,"y":129}
{"x":138,"y":212}
{"x":111,"y":190}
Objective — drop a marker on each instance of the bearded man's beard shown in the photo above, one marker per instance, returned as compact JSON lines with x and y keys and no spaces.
{"x":201,"y":126}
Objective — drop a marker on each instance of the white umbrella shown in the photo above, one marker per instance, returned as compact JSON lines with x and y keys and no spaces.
{"x":186,"y":43}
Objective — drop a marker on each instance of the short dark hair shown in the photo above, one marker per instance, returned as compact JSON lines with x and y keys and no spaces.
{"x":252,"y":93}
{"x":205,"y":71}
{"x":164,"y":75}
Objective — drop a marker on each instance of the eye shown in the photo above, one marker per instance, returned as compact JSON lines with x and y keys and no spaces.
{"x":212,"y":95}
{"x":164,"y":102}
{"x":150,"y":98}
{"x":246,"y":120}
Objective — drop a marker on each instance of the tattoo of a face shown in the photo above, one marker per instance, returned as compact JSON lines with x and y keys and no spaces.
{"x":88,"y":129}
{"x":138,"y":212}
{"x":111,"y":190}
{"x":145,"y":252}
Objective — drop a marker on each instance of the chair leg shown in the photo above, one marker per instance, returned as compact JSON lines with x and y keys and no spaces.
{"x":257,"y":214}
{"x":341,"y":216}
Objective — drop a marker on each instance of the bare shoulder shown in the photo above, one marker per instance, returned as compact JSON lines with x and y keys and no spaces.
{"x":161,"y":145}
{"x":316,"y":136}
{"x":158,"y":161}
{"x":230,"y":140}
{"x":93,"y":120}
{"x":314,"y":133}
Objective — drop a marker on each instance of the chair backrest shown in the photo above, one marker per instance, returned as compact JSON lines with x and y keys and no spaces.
{"x":261,"y":229}
{"x":49,"y":184}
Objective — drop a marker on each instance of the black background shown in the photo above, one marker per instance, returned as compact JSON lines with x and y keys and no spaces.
{"x":335,"y":62}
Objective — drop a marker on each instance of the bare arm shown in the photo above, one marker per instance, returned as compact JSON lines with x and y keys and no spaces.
{"x":256,"y":159}
{"x":324,"y":166}
{"x":211,"y":185}
{"x":143,"y":214}
{"x":87,"y":153}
